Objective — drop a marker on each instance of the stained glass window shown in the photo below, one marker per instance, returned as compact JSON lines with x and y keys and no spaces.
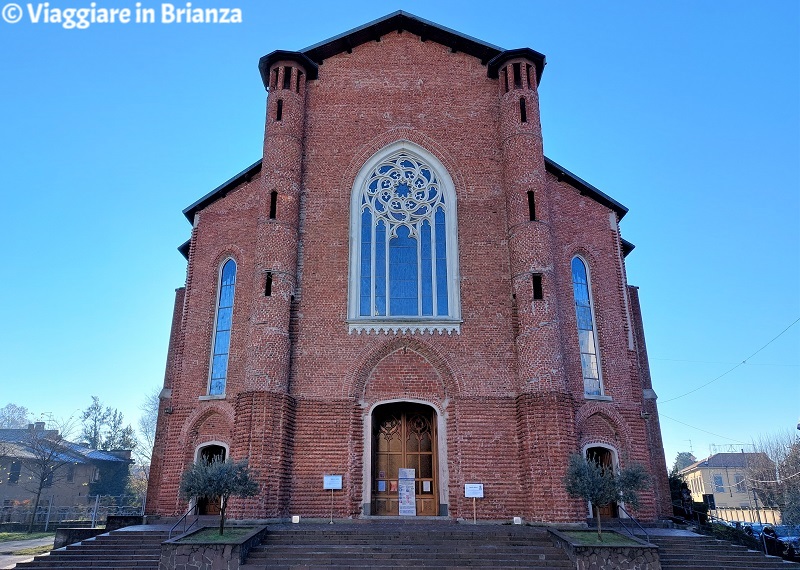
{"x":586,"y":334}
{"x":403,"y":270}
{"x":222,"y":333}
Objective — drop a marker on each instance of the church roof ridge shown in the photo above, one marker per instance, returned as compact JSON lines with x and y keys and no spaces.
{"x":313,"y":56}
{"x":401,"y":20}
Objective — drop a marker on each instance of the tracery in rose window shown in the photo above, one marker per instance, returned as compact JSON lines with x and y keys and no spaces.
{"x":402,"y":191}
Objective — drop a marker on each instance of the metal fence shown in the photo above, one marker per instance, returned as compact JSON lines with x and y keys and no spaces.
{"x":93,"y":513}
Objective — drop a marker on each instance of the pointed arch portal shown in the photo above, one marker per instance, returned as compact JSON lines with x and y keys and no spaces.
{"x":404,"y":436}
{"x":604,"y":457}
{"x":207,"y":454}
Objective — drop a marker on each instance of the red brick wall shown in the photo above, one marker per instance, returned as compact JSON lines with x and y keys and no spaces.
{"x":507,"y":390}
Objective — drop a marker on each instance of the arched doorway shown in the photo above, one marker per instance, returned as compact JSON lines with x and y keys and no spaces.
{"x":605,"y":458}
{"x":404,"y":437}
{"x":207,"y":454}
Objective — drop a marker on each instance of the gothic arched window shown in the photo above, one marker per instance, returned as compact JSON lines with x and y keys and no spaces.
{"x":403,"y":253}
{"x":587,"y":338}
{"x":222,"y":329}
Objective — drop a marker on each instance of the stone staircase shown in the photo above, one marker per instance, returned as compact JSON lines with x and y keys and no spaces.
{"x":133,"y":548}
{"x":706,"y":553}
{"x":406,"y":545}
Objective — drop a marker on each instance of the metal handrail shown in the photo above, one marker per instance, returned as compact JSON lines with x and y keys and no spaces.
{"x":631,"y":517}
{"x":183,"y":519}
{"x":706,"y":514}
{"x":713,"y":518}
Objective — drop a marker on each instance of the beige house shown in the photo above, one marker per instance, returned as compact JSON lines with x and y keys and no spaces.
{"x":72,"y":471}
{"x":724,"y":475}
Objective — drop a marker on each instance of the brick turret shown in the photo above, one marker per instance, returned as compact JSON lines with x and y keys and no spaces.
{"x":530,"y":242}
{"x":264,"y":409}
{"x":546,"y":431}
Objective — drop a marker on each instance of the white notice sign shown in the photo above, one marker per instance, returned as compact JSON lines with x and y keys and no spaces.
{"x":333,"y":482}
{"x":406,"y":493}
{"x":473,"y":490}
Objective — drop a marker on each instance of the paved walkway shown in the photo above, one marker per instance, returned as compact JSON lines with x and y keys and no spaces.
{"x":7,"y":560}
{"x":667,"y":532}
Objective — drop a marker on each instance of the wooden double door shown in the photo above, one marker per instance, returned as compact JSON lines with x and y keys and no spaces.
{"x":404,"y":437}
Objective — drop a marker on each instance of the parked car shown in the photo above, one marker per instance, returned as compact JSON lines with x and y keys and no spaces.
{"x":753,"y":528}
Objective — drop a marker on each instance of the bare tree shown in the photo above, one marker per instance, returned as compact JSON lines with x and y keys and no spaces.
{"x":147,"y":428}
{"x":13,"y":416}
{"x":773,"y":473}
{"x":47,"y":453}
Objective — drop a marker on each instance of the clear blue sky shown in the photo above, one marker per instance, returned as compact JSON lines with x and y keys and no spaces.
{"x":686,"y":112}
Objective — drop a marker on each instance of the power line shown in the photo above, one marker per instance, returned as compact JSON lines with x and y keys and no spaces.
{"x":719,"y":362}
{"x":742,"y":363}
{"x":701,"y":429}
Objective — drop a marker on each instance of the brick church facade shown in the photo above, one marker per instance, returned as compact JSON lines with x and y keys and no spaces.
{"x":406,"y":281}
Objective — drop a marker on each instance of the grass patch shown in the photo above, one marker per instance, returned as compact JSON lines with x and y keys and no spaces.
{"x":212,"y":535}
{"x":589,"y":538}
{"x":36,"y":550}
{"x":9,"y":536}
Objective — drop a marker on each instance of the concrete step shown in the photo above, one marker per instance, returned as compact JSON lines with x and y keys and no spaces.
{"x":403,"y":561}
{"x":120,"y":550}
{"x":708,"y":553}
{"x":382,"y":545}
{"x":306,"y":564}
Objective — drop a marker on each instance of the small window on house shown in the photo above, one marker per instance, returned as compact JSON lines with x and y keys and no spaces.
{"x":279,"y":110}
{"x":504,"y":80}
{"x":531,"y":206}
{"x":537,"y":287}
{"x":719,"y":487}
{"x":48,"y":480}
{"x":287,"y":77}
{"x":71,"y":473}
{"x":523,"y":113}
{"x":275,"y":78}
{"x":273,"y":204}
{"x":268,"y":285}
{"x":299,"y":75}
{"x":739,"y":483}
{"x":13,"y":473}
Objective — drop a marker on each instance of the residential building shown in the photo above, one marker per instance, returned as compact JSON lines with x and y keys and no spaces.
{"x":726,"y":477}
{"x":71,"y":471}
